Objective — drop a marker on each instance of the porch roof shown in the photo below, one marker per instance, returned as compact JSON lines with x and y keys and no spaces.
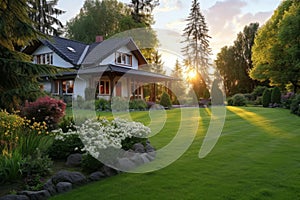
{"x":105,"y":69}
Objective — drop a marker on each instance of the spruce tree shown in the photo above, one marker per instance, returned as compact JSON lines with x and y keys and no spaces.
{"x":44,"y":15}
{"x":142,"y":11}
{"x":196,"y":50}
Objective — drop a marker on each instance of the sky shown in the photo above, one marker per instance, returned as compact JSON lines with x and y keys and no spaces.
{"x":225,"y":19}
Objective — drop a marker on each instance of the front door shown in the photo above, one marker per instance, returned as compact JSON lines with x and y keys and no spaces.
{"x":118,"y":89}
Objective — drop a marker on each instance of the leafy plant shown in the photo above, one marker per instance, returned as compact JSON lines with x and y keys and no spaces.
{"x":239,"y":100}
{"x":45,"y":109}
{"x":266,"y":99}
{"x":165,"y":100}
{"x":138,"y":104}
{"x":102,"y":104}
{"x":119,"y":104}
{"x":90,"y":164}
{"x":10,"y":166}
{"x":295,"y":106}
{"x":276,"y":96}
{"x":65,"y":144}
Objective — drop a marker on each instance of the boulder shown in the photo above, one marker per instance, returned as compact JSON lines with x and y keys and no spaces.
{"x":14,"y":197}
{"x":74,"y":160}
{"x":108,"y":171}
{"x":76,"y":178}
{"x":63,"y":187}
{"x":36,"y":195}
{"x":50,"y":187}
{"x":126,"y":164}
{"x":96,"y":176}
{"x":149,"y":148}
{"x":138,"y":148}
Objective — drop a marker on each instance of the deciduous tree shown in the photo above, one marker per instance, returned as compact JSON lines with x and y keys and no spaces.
{"x":276,"y":52}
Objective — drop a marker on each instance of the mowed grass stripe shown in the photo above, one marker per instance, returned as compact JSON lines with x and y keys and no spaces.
{"x":248,"y":162}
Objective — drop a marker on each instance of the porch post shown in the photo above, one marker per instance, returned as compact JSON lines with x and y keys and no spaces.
{"x":112,"y":84}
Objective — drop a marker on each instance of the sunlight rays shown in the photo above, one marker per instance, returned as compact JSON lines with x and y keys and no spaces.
{"x":259,"y":121}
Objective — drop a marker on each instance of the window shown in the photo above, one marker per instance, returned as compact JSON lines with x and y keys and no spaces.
{"x":123,"y":59}
{"x":67,"y":87}
{"x":104,"y":88}
{"x":136,"y":89}
{"x":46,"y":58}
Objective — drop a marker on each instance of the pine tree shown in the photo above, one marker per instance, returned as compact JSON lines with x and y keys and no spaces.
{"x":157,"y":65}
{"x":197,"y":50}
{"x":178,"y":87}
{"x":44,"y":14}
{"x":142,"y":11}
{"x":18,"y":76}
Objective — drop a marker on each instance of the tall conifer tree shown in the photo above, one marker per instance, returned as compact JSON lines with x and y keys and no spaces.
{"x":196,"y":50}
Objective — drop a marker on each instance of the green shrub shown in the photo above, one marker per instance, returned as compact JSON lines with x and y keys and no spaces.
{"x":286,"y":100}
{"x":90,"y":164}
{"x":37,"y":164}
{"x":258,"y":101}
{"x":230,"y":102}
{"x":295,"y":106}
{"x":138,"y":104}
{"x":258,"y":91}
{"x":165,"y":100}
{"x":10,"y":166}
{"x":119,"y":104}
{"x":129,"y":142}
{"x":276,"y":96}
{"x":89,"y":94}
{"x":67,"y":123}
{"x":102,"y":105}
{"x":266,"y":99}
{"x":64,"y":145}
{"x":239,"y":100}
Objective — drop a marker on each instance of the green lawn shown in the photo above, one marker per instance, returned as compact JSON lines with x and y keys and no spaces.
{"x":256,"y":157}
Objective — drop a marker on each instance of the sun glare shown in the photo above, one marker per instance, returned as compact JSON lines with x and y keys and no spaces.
{"x":192,"y":74}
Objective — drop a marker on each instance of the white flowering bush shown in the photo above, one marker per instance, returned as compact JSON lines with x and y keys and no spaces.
{"x":100,"y":134}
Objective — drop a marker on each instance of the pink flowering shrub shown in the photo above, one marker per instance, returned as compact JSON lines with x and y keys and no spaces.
{"x":45,"y":109}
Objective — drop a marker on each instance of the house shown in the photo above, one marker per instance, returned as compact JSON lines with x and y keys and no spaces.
{"x":112,"y":67}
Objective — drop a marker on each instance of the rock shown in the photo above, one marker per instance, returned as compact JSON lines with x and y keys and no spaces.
{"x":36,"y":195}
{"x":145,"y":158}
{"x":14,"y":197}
{"x":74,"y":160}
{"x":50,"y":187}
{"x":63,"y":187}
{"x":138,"y":148}
{"x":137,"y":159}
{"x":149,"y":148}
{"x":151,"y":155}
{"x":96,"y":176}
{"x":108,"y":171}
{"x":76,"y":178}
{"x":126,"y":164}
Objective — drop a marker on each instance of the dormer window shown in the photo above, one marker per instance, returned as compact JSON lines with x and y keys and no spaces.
{"x":46,"y":58}
{"x":123,"y":59}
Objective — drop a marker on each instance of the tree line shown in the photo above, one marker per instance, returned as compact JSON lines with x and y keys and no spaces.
{"x":269,"y":55}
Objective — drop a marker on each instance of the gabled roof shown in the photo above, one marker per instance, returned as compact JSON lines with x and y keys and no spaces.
{"x":107,"y":47}
{"x":78,"y":53}
{"x":70,"y":50}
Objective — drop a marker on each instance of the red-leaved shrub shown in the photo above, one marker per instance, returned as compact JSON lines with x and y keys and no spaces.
{"x":45,"y":109}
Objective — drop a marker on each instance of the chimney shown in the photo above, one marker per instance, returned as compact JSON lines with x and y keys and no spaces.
{"x":99,"y":38}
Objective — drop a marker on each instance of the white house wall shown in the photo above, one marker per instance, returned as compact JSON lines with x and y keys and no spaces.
{"x":111,"y":59}
{"x":57,"y":60}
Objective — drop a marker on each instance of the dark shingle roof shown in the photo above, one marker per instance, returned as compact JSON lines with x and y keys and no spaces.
{"x":70,"y":50}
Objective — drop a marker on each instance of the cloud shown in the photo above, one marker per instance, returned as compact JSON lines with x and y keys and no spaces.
{"x":169,"y":5}
{"x":226,"y":19}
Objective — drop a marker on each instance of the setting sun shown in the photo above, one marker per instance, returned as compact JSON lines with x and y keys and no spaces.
{"x":192,"y":74}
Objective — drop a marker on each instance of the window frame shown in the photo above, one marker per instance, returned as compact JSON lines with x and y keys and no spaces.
{"x":124,"y":59}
